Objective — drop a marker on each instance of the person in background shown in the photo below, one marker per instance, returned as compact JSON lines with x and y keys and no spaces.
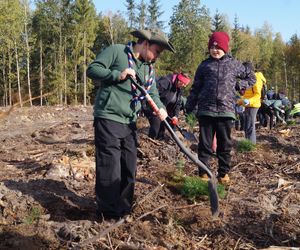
{"x":271,"y":94}
{"x":252,"y":102}
{"x":115,"y":113}
{"x":240,"y":118}
{"x":295,"y":109}
{"x":214,"y":91}
{"x":170,"y":90}
{"x":274,"y":108}
{"x":266,"y":114}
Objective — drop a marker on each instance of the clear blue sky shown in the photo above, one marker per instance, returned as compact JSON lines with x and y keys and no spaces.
{"x":282,"y":15}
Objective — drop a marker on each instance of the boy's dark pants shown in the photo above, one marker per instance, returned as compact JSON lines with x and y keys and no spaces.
{"x":116,"y":156}
{"x":266,"y":111}
{"x":157,"y":127}
{"x":222,"y":127}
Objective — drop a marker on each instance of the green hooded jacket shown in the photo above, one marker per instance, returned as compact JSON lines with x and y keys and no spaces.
{"x":114,"y":97}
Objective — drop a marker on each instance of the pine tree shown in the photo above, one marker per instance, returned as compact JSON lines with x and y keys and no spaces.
{"x":141,"y":17}
{"x":130,"y":6}
{"x":11,"y":27}
{"x":154,"y":15}
{"x":218,"y":22}
{"x":85,"y":25}
{"x":236,"y":43}
{"x":190,"y":28}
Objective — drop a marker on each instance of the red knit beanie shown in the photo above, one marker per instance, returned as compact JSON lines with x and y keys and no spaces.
{"x":220,"y":39}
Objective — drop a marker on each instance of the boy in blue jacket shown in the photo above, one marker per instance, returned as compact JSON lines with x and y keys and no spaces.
{"x":213,"y":91}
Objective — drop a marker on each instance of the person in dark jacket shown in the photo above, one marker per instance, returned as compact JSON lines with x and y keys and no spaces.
{"x":213,"y":91}
{"x":170,"y":90}
{"x":273,"y":108}
{"x":271,"y":95}
{"x":115,"y":112}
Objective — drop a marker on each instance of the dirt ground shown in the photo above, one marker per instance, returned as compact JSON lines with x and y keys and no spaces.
{"x":47,"y":199}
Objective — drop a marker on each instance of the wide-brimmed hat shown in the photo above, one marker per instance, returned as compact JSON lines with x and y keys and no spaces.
{"x":154,"y":36}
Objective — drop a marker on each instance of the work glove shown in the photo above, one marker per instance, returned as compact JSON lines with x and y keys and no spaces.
{"x":174,"y":121}
{"x":246,"y":102}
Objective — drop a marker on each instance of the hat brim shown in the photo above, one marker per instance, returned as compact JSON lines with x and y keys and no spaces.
{"x":156,"y":37}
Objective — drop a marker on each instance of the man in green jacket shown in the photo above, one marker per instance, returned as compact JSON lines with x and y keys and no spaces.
{"x":115,"y":114}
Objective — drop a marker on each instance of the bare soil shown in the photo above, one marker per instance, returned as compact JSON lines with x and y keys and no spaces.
{"x":47,"y":200}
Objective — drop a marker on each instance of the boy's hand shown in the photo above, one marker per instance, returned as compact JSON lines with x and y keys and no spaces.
{"x":126,"y":73}
{"x":243,"y":102}
{"x":240,"y":102}
{"x":174,"y":121}
{"x":246,"y":102}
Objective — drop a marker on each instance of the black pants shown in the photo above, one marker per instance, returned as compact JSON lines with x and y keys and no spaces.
{"x":157,"y":127}
{"x":222,"y":127}
{"x":267,"y":114}
{"x":240,"y":122}
{"x":116,"y":156}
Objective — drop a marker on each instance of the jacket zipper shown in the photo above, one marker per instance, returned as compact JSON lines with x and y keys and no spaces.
{"x":217,"y":88}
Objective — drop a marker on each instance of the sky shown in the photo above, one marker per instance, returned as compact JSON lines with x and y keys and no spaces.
{"x":281,"y":15}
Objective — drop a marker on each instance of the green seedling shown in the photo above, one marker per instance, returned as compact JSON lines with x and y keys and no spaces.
{"x":191,"y":121}
{"x":180,"y":165}
{"x":291,"y":122}
{"x":33,"y":216}
{"x":193,"y":187}
{"x":245,"y":146}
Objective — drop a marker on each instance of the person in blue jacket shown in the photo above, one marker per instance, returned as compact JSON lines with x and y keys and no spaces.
{"x":213,"y":91}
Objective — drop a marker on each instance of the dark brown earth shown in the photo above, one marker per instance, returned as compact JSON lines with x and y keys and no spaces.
{"x":47,"y":190}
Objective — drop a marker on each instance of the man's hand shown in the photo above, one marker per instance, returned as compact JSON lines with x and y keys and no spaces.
{"x":162,"y":114}
{"x":126,"y":73}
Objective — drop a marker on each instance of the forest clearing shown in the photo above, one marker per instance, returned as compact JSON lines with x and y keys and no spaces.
{"x":47,"y":152}
{"x":47,"y":198}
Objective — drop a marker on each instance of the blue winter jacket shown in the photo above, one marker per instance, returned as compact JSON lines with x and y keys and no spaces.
{"x":213,"y":91}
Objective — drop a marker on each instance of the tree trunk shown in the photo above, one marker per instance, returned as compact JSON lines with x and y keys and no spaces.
{"x":5,"y":96}
{"x":28,"y":57}
{"x":18,"y":74}
{"x":60,"y":65}
{"x":41,"y":73}
{"x":76,"y":84}
{"x":110,"y":30}
{"x":65,"y":73}
{"x":9,"y":77}
{"x":84,"y":70}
